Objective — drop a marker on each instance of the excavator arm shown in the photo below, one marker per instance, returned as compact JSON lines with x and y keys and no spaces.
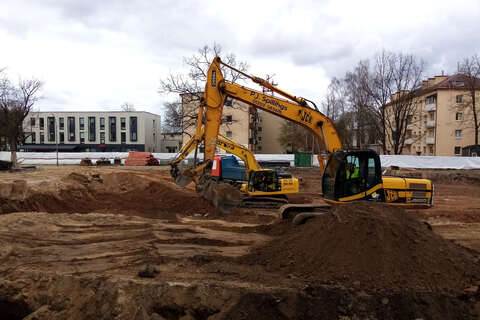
{"x":222,"y":142}
{"x":293,"y":108}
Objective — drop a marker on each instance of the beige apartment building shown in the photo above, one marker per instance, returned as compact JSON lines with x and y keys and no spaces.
{"x":442,"y":123}
{"x":252,"y":128}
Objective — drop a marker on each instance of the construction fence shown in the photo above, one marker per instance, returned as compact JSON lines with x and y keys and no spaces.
{"x":402,"y":161}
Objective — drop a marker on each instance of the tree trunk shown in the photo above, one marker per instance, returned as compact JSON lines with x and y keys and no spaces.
{"x":13,"y":152}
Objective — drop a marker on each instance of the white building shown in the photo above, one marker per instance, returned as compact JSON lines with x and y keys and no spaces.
{"x":113,"y":131}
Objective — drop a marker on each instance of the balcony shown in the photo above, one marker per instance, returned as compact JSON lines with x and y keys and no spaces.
{"x":408,"y":141}
{"x":431,"y":124}
{"x":430,"y":140}
{"x":431,"y":107}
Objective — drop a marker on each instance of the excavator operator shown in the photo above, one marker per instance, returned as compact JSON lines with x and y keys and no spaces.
{"x":352,"y":171}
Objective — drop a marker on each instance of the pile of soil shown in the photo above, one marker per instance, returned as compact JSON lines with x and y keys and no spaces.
{"x":125,"y":193}
{"x":370,"y":246}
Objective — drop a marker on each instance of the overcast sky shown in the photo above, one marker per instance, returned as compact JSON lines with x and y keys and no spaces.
{"x":95,"y":55}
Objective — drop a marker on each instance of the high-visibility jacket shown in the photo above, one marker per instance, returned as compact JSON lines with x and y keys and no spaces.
{"x":351,"y":175}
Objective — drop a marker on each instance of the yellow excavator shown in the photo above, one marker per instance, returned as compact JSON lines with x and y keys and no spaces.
{"x":262,"y":188}
{"x":349,"y":175}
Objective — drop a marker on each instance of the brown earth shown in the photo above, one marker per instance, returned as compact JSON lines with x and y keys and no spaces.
{"x":372,"y":247}
{"x":73,"y":241}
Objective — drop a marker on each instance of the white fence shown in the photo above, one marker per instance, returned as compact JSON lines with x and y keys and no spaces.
{"x":420,"y":162}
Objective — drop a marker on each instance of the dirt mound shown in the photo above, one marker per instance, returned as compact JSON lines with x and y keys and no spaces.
{"x":370,"y":247}
{"x":125,"y":193}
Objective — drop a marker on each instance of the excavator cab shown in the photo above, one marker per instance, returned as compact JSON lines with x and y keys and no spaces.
{"x":350,"y":175}
{"x":263,"y":181}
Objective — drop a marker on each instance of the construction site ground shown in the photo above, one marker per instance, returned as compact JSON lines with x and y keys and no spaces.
{"x":127,"y":243}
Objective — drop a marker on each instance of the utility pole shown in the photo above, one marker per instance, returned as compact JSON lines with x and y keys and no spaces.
{"x":56,"y":133}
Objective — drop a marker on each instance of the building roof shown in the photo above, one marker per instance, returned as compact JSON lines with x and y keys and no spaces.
{"x":453,"y":82}
{"x":97,"y":111}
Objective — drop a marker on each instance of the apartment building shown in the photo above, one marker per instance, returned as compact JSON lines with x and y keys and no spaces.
{"x":92,"y":131}
{"x":254,"y":129}
{"x":442,"y":121}
{"x":171,"y":142}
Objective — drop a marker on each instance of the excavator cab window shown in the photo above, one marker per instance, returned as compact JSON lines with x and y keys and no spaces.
{"x":351,"y":173}
{"x":264,"y":181}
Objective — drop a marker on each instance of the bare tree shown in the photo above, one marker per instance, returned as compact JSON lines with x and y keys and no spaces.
{"x":173,"y":117}
{"x":16,"y":101}
{"x":359,"y":104}
{"x":128,"y":107}
{"x":296,"y":138}
{"x":469,"y":69}
{"x":392,"y":85}
{"x":190,"y":86}
{"x":335,"y":101}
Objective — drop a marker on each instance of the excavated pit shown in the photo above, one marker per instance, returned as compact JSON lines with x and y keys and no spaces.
{"x":72,"y":246}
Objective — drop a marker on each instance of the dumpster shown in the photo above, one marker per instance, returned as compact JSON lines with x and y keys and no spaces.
{"x":303,"y":159}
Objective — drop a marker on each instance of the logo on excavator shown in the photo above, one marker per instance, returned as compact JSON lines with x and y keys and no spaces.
{"x":391,"y":195}
{"x":305,"y":116}
{"x":266,"y":103}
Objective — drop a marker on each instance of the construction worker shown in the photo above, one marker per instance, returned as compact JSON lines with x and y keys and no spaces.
{"x":352,"y":171}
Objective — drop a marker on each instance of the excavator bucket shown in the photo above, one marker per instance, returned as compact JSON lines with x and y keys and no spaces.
{"x":225,"y":197}
{"x":181,"y":177}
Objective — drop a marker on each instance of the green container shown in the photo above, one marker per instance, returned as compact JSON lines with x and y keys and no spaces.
{"x":303,"y":159}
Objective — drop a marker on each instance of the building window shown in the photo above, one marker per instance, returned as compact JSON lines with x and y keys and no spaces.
{"x":259,"y":139}
{"x":82,"y":137}
{"x":102,"y":137}
{"x":91,"y":129}
{"x":62,"y":137}
{"x":51,"y":128}
{"x":431,"y":99}
{"x":123,"y":124}
{"x":458,"y":116}
{"x":458,"y":83}
{"x":431,"y":149}
{"x":34,"y":137}
{"x":432,"y":116}
{"x":458,"y":150}
{"x":42,"y":138}
{"x":61,"y":123}
{"x":113,"y":128}
{"x":102,"y":123}
{"x":458,"y":134}
{"x":259,"y":148}
{"x":42,"y":123}
{"x":228,"y":102}
{"x":32,"y":122}
{"x":229,"y":118}
{"x":133,"y":128}
{"x":229,"y":134}
{"x":459,"y":98}
{"x":123,"y":137}
{"x":259,"y":129}
{"x":82,"y":123}
{"x":71,"y":128}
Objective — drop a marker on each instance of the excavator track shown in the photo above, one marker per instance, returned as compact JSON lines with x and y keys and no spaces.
{"x":263,"y":202}
{"x":300,"y":213}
